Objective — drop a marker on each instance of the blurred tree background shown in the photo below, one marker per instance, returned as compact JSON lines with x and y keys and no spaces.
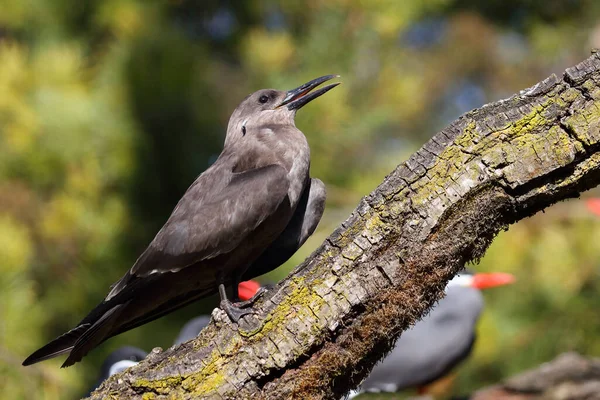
{"x":110,"y":109}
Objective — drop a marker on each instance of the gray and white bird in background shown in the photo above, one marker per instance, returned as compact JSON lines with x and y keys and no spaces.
{"x":242,"y":217}
{"x":117,"y":361}
{"x":438,"y":342}
{"x":192,"y":328}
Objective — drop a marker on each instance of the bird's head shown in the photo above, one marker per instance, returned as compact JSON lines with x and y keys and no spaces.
{"x":270,"y":107}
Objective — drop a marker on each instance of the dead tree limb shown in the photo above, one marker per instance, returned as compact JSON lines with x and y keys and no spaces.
{"x":320,"y":330}
{"x":569,"y":376}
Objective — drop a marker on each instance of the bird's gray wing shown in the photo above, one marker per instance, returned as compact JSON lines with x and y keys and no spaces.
{"x":211,"y":220}
{"x":303,"y":223}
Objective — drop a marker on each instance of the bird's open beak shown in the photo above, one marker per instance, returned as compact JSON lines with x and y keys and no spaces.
{"x":490,"y":280}
{"x":302,"y":95}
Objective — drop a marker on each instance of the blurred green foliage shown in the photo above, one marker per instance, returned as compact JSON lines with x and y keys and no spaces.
{"x":108,"y":110}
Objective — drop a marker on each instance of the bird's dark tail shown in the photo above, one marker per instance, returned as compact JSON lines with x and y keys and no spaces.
{"x":80,"y":340}
{"x":94,"y":335}
{"x":61,"y":345}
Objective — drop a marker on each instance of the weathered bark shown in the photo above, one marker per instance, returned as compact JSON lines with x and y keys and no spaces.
{"x":568,"y":377}
{"x":321,"y":329}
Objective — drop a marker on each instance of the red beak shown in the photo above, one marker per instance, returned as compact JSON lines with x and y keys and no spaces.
{"x":247,"y":289}
{"x":594,"y":206}
{"x":490,"y":280}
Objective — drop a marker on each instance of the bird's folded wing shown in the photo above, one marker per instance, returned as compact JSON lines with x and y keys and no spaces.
{"x":217,"y":224}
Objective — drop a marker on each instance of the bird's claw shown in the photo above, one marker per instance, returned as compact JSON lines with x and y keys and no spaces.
{"x":250,"y":302}
{"x":234,"y":312}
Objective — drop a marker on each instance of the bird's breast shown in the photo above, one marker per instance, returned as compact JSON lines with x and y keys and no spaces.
{"x":276,"y":144}
{"x":298,"y":171}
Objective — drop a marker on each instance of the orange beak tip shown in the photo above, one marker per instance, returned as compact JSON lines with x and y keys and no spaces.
{"x":247,"y":289}
{"x":490,"y":280}
{"x":593,"y":205}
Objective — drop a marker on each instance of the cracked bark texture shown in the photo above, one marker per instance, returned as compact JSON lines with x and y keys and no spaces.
{"x":320,"y":331}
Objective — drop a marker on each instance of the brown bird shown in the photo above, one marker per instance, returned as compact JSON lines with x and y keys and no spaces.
{"x":242,"y":217}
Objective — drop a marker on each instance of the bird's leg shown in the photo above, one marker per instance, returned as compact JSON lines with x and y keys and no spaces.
{"x":234,"y":313}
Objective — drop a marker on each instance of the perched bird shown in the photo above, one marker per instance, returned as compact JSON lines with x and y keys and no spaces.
{"x":439,"y":341}
{"x":248,"y":203}
{"x":117,"y":361}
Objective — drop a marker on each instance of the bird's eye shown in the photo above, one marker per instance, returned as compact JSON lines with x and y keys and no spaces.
{"x":263,"y":99}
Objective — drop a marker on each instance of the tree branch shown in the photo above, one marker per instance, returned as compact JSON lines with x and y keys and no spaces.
{"x":568,"y":376}
{"x":320,"y":331}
